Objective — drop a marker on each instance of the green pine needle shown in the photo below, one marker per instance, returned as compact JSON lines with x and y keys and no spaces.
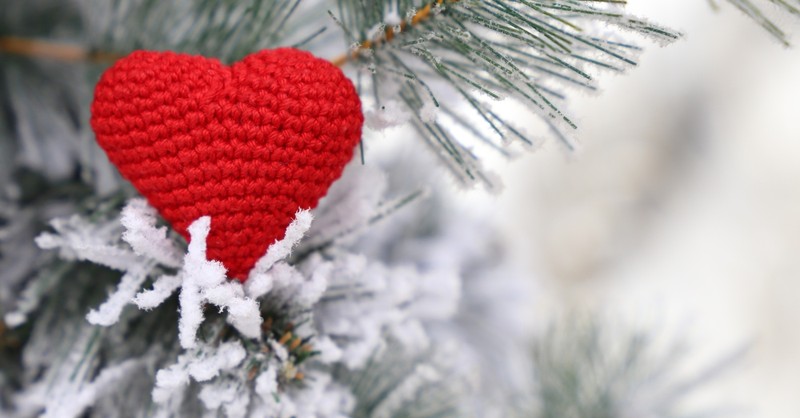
{"x":753,"y":11}
{"x":486,"y":51}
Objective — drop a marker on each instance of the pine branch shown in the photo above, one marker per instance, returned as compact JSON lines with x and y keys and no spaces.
{"x":584,"y":369}
{"x":227,"y":29}
{"x":752,"y":9}
{"x":389,"y":32}
{"x":480,"y":51}
{"x":483,"y":51}
{"x":396,"y":384}
{"x":53,"y":50}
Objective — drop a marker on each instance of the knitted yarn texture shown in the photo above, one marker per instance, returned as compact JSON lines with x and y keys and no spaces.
{"x":247,"y":144}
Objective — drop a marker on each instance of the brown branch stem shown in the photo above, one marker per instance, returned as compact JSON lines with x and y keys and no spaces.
{"x":53,"y":50}
{"x":388,"y":34}
{"x":38,"y":48}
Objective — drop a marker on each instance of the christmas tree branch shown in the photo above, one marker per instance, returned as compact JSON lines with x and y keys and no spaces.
{"x":389,"y":32}
{"x":70,"y":52}
{"x":53,"y":50}
{"x":62,"y":51}
{"x":39,"y":48}
{"x":484,"y":52}
{"x":753,"y":11}
{"x":583,"y":368}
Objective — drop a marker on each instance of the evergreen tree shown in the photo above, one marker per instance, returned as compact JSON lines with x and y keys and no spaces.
{"x":393,"y":297}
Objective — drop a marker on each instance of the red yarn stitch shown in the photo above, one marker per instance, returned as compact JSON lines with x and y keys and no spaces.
{"x":248,"y":144}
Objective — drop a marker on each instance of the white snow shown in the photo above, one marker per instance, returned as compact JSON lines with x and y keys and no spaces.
{"x":201,"y":364}
{"x":163,"y":287}
{"x":429,"y":112}
{"x":109,"y":312}
{"x":75,"y":404}
{"x":200,"y":281}
{"x":283,"y":248}
{"x":390,"y":114}
{"x":139,"y":220}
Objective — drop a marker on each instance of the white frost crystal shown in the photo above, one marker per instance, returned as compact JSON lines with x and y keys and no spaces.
{"x":358,"y":289}
{"x":200,"y":280}
{"x":202,"y":364}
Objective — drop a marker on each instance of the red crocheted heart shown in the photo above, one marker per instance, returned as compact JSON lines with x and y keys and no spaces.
{"x":247,"y":145}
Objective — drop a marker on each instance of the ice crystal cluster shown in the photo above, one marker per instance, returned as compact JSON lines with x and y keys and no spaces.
{"x":383,"y":277}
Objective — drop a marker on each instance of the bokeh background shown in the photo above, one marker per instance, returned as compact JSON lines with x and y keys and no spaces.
{"x":681,"y":213}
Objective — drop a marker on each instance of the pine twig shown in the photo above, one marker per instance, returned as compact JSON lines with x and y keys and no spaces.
{"x":54,"y":50}
{"x":388,"y":34}
{"x":75,"y":53}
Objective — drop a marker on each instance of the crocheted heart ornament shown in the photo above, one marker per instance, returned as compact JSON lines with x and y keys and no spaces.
{"x":247,"y":145}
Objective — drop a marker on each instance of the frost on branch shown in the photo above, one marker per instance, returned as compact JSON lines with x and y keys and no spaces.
{"x":146,"y":251}
{"x":385,"y":275}
{"x":205,"y":281}
{"x":147,"y":240}
{"x":368,"y":303}
{"x":201,"y":364}
{"x":261,"y":279}
{"x":200,"y":280}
